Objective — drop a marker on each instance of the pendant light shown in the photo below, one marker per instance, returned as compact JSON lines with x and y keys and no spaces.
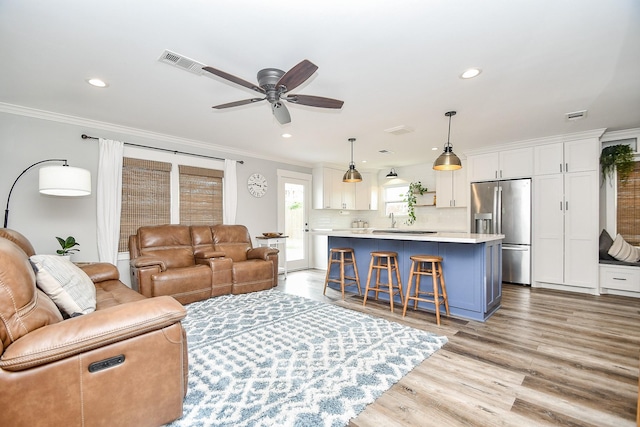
{"x":352,"y":175}
{"x":448,"y":161}
{"x":392,"y":174}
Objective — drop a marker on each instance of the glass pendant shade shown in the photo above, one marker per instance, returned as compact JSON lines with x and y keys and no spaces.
{"x":448,"y":161}
{"x":352,"y":175}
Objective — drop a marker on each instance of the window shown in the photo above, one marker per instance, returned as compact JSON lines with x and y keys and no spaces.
{"x":200,"y":196}
{"x":394,"y":200}
{"x":167,"y":188}
{"x":146,"y":197}
{"x":628,"y":207}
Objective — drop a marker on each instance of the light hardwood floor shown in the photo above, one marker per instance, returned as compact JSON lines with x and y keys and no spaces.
{"x":545,"y":358}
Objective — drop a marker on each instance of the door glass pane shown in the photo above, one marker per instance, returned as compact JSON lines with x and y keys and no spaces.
{"x":294,"y":220}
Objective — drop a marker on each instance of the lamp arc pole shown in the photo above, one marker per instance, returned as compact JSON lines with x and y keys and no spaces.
{"x":6,"y":211}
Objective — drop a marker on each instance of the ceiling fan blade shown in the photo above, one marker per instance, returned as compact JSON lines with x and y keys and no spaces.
{"x":238,"y":103}
{"x":315,"y":101}
{"x":234,"y":79}
{"x":297,"y":75}
{"x":281,"y":113}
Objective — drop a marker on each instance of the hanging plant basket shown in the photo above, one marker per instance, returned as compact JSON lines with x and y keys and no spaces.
{"x":617,"y":158}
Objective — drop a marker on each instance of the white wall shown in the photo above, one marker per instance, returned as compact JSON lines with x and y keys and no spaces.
{"x":25,"y":140}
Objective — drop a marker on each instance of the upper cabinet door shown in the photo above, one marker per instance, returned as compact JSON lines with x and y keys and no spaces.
{"x":548,"y":159}
{"x":581,"y":155}
{"x":516,"y":163}
{"x":507,"y":164}
{"x":484,"y":167}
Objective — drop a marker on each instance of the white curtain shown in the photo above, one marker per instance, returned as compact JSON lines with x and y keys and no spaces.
{"x":109,"y":199}
{"x":230,"y":192}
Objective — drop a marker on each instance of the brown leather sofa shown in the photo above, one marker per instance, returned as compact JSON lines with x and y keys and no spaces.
{"x":56,"y":372}
{"x":192,"y":263}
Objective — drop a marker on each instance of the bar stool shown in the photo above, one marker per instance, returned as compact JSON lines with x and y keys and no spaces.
{"x":384,"y":260}
{"x":337,"y":256}
{"x":420,"y":267}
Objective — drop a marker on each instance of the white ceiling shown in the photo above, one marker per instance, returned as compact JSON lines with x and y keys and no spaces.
{"x":393,"y":63}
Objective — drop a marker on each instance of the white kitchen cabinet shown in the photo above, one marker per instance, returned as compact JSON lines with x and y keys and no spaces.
{"x":620,"y":280}
{"x":452,"y":188}
{"x":505,"y":164}
{"x":565,"y":243}
{"x":366,"y":192}
{"x":569,"y":156}
{"x":330,"y":192}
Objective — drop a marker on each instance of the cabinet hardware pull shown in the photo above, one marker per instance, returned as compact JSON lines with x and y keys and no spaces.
{"x":619,"y":278}
{"x":560,"y":167}
{"x":566,"y":206}
{"x":560,"y":204}
{"x":566,"y":167}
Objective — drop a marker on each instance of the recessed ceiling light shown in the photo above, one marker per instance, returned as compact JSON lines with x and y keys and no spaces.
{"x":286,"y":135}
{"x":471,"y":73}
{"x":97,"y":82}
{"x":364,"y":161}
{"x":434,"y":148}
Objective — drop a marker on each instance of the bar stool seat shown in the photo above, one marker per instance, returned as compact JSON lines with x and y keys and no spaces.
{"x":384,"y":261}
{"x":343,"y":257}
{"x":427,"y":265}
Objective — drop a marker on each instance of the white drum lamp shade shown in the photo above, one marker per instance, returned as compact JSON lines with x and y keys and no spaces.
{"x":65,"y":181}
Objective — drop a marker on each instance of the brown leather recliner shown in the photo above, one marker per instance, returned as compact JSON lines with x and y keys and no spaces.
{"x":124,"y":364}
{"x":252,"y":269}
{"x":172,"y":259}
{"x":163,"y":263}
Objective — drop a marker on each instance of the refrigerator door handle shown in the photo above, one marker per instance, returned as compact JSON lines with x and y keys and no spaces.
{"x":497,"y":209}
{"x":514,"y":248}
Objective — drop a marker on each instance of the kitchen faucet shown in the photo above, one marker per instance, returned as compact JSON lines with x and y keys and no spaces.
{"x":393,"y":220}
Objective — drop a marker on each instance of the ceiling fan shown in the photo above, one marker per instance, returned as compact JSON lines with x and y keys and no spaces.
{"x":275,"y":84}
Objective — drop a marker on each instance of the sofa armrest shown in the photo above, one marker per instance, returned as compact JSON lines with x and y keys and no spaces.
{"x":208,"y":253}
{"x":101,"y":271}
{"x":262,"y":252}
{"x":81,"y":334}
{"x":148,"y":261}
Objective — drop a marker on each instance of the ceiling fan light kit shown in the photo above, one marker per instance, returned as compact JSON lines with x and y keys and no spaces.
{"x":275,"y":84}
{"x":352,"y":174}
{"x":448,"y":161}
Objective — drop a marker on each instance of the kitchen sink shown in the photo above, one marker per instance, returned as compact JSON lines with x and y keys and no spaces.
{"x":402,"y":231}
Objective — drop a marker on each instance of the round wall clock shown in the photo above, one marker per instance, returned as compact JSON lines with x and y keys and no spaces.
{"x":257,"y":185}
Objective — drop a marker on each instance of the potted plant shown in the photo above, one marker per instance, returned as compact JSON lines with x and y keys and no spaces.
{"x":617,"y":157}
{"x":67,"y":245}
{"x":415,"y":188}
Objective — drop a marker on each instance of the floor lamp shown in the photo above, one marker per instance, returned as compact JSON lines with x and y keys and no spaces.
{"x":60,"y":180}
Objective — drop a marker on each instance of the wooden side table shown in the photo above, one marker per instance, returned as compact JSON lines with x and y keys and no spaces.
{"x":273,"y":242}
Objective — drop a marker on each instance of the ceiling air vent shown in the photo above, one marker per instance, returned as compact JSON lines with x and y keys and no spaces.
{"x":385,"y":152}
{"x":576,"y":115}
{"x":399,"y":130}
{"x":180,"y":61}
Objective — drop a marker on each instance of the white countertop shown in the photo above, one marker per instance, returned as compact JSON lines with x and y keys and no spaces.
{"x":407,"y":234}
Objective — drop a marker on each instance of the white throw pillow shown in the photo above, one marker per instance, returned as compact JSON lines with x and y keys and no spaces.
{"x":65,"y":283}
{"x":623,"y":251}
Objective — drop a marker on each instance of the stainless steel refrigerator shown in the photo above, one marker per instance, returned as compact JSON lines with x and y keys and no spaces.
{"x":504,"y":207}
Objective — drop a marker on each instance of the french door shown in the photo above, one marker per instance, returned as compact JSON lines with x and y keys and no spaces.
{"x":294,"y":202}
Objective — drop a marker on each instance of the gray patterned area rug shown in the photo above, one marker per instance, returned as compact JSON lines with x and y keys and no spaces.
{"x":273,"y":359}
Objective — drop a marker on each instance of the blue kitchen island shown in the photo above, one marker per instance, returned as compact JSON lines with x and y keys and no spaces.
{"x":472,"y":264}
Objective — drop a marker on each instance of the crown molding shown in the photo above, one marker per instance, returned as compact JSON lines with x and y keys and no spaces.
{"x":618,"y":135}
{"x":214,"y":149}
{"x":595,"y":133}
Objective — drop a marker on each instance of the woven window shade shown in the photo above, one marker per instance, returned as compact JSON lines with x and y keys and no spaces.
{"x":628,"y":210}
{"x":146,"y":196}
{"x":200,"y":196}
